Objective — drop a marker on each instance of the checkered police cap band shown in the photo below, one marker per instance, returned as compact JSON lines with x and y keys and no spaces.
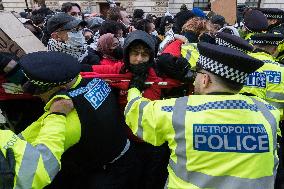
{"x":274,"y":16}
{"x":222,"y":70}
{"x":265,"y":42}
{"x":224,"y":43}
{"x":46,"y":84}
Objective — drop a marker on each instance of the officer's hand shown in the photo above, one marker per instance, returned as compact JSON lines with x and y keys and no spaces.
{"x":61,"y":106}
{"x":7,"y":169}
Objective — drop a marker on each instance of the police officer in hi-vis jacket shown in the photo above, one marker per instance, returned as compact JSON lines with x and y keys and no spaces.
{"x":218,"y":138}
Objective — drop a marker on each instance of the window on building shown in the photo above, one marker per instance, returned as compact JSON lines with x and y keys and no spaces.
{"x":202,"y":4}
{"x":252,"y":3}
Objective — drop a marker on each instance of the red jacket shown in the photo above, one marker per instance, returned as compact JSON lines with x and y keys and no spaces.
{"x":174,"y":48}
{"x":151,"y":92}
{"x":108,"y":61}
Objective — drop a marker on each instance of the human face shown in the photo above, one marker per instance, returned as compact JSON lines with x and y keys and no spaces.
{"x":168,"y":27}
{"x":272,"y":21}
{"x":75,"y":12}
{"x":201,"y":83}
{"x":153,"y":28}
{"x":62,"y":35}
{"x":125,"y":18}
{"x":115,"y":43}
{"x":139,"y":54}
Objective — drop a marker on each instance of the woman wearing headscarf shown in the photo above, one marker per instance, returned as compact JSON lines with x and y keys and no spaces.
{"x":109,"y":47}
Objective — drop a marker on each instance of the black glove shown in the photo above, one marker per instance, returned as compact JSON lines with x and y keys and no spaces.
{"x":140,"y":73}
{"x":176,"y":68}
{"x":7,"y":169}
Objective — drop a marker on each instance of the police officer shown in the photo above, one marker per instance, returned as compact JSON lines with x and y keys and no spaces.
{"x":233,"y":41}
{"x":256,"y":82}
{"x":266,"y":50}
{"x":217,"y":135}
{"x":275,"y":18}
{"x":35,"y":164}
{"x":98,"y":153}
{"x":254,"y":22}
{"x":260,"y":82}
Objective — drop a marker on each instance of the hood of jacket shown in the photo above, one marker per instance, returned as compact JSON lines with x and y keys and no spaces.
{"x":141,"y":36}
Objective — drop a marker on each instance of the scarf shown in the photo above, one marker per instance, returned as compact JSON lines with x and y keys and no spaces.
{"x":77,"y":52}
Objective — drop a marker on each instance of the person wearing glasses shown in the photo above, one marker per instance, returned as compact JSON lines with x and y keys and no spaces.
{"x":67,"y":36}
{"x":215,"y":136}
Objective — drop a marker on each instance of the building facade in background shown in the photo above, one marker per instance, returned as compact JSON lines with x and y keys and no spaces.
{"x":158,"y":7}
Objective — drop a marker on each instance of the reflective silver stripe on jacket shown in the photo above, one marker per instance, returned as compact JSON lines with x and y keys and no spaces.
{"x":141,"y":111}
{"x":51,"y":164}
{"x":273,"y":124}
{"x":21,"y":136}
{"x":126,"y":148}
{"x":278,"y":105}
{"x":202,"y":180}
{"x":189,"y":50}
{"x":130,"y":103}
{"x":275,"y":95}
{"x":28,"y":168}
{"x":188,"y":55}
{"x":30,"y":162}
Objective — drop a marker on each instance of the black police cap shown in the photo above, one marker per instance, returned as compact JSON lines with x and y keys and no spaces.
{"x":218,"y":19}
{"x":272,"y":13}
{"x":49,"y":69}
{"x":267,"y":39}
{"x":227,"y":63}
{"x":255,"y":21}
{"x":232,"y":41}
{"x":63,"y":21}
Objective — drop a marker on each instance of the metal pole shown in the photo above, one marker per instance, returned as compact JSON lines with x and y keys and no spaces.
{"x":27,"y":5}
{"x":258,"y":3}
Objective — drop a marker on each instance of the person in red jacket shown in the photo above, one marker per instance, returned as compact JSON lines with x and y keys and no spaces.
{"x":142,"y":48}
{"x":109,"y":47}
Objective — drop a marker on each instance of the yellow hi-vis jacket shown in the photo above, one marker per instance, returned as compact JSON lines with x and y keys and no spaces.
{"x":274,"y":90}
{"x":190,"y":52}
{"x":38,"y":162}
{"x":73,"y":124}
{"x":280,"y":49}
{"x":216,"y":141}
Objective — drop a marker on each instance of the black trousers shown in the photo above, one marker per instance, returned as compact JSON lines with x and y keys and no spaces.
{"x":121,"y":174}
{"x":153,"y":163}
